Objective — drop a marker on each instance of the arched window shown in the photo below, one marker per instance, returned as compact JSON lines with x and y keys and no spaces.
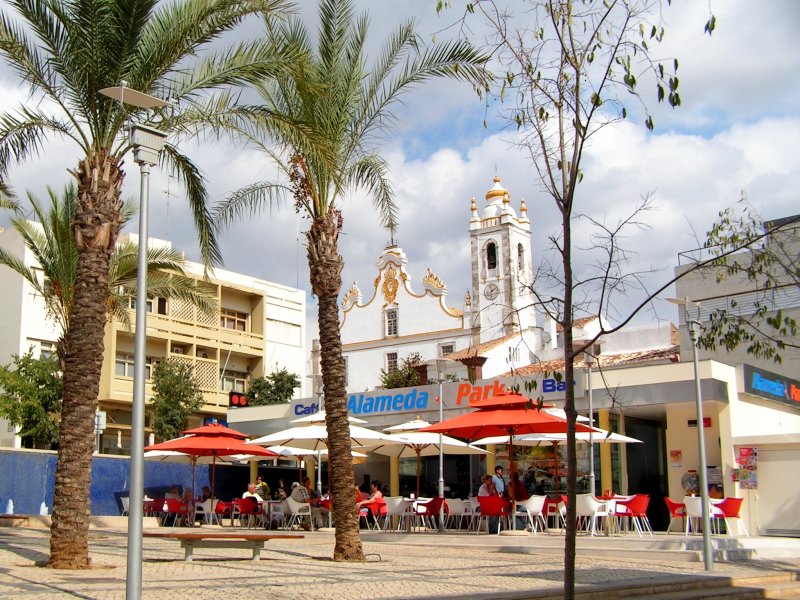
{"x":520,"y":257}
{"x":491,"y":256}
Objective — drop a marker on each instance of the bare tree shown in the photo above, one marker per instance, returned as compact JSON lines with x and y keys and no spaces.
{"x":570,"y":68}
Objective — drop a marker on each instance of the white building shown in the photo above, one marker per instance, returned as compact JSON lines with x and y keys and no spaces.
{"x":259,"y":328}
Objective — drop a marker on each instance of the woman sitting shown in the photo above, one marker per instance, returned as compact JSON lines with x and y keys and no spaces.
{"x":373,"y":502}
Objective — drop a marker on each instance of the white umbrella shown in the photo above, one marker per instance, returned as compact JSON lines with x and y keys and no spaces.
{"x":315,"y":437}
{"x":291,"y":451}
{"x":419,"y":443}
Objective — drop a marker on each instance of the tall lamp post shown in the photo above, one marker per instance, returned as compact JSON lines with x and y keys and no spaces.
{"x":589,"y":360}
{"x":147,"y":143}
{"x":439,"y":381}
{"x":691,"y":324}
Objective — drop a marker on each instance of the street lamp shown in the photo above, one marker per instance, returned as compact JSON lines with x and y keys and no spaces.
{"x":439,"y":381}
{"x":147,"y":143}
{"x":589,"y":360}
{"x":708,"y":556}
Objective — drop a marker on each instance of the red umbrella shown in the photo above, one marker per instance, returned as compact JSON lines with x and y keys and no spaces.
{"x":211,"y":440}
{"x":505,"y":414}
{"x":216,"y":429}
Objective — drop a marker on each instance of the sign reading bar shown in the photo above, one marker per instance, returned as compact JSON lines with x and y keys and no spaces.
{"x":771,"y":386}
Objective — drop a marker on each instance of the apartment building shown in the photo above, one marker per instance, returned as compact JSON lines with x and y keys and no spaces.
{"x":259,"y":327}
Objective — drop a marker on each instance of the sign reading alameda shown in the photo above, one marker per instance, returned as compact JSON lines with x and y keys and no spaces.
{"x":455,"y":395}
{"x":771,"y":385}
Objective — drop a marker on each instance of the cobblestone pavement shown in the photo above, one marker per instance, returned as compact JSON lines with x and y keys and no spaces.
{"x":303,"y":569}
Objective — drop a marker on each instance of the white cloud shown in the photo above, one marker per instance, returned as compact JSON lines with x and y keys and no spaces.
{"x":738,"y":129}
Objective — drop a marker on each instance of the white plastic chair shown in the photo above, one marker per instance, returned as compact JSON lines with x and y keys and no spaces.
{"x":125,"y":505}
{"x":458,"y":512}
{"x":694,"y":513}
{"x":533,"y":507}
{"x":277,"y":513}
{"x":588,"y":509}
{"x":473,"y":511}
{"x":299,"y":510}
{"x":396,"y":506}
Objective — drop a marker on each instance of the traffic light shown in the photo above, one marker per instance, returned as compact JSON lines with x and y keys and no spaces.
{"x":237,"y":399}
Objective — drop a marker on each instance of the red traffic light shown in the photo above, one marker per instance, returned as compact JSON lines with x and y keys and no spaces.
{"x":237,"y":399}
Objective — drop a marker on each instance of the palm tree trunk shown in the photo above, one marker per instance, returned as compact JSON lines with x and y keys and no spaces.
{"x":95,"y":228}
{"x":325,"y":266}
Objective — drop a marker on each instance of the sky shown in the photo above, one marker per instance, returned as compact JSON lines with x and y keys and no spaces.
{"x":737,"y":131}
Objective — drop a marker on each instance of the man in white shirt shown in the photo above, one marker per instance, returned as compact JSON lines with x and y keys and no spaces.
{"x":251,"y":493}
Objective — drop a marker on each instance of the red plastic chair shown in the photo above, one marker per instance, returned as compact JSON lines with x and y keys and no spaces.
{"x":428,"y":512}
{"x":635,"y":509}
{"x":677,"y":510}
{"x":175,"y":508}
{"x":729,"y":509}
{"x":154,"y":508}
{"x":244,"y":507}
{"x":224,"y":509}
{"x":493,"y":506}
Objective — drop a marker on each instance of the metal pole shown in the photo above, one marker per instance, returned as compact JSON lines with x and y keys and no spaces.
{"x":708,"y":556}
{"x":591,"y":423}
{"x":136,"y":487}
{"x":441,"y":461}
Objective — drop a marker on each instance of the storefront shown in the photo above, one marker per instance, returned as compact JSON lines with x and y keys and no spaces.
{"x":655,"y":403}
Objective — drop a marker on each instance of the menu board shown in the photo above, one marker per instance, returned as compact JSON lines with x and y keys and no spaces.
{"x":747,"y":459}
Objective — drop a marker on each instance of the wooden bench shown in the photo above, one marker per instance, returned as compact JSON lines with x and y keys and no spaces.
{"x":199,"y":539}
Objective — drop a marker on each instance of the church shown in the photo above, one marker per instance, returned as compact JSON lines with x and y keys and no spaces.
{"x":400,"y":317}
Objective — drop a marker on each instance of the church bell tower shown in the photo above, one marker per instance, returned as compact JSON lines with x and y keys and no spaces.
{"x":500,"y":245}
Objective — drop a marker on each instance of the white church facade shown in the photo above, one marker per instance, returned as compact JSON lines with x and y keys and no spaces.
{"x":401,"y":316}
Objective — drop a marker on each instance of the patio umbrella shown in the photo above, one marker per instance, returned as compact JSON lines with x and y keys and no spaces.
{"x":419,"y":443}
{"x":506,"y":414}
{"x":211,"y":440}
{"x":599,"y":436}
{"x":315,"y":437}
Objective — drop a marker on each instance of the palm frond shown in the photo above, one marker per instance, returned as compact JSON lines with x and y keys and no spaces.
{"x":250,"y":200}
{"x":372,"y":173}
{"x":189,"y":175}
{"x":25,"y":133}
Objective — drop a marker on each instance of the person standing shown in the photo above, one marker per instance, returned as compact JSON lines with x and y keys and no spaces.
{"x":499,"y":482}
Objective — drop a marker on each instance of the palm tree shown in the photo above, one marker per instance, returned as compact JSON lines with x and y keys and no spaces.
{"x":68,"y":50}
{"x":50,"y":240}
{"x":340,"y":107}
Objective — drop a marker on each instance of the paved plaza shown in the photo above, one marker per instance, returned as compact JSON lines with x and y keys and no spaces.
{"x":425,"y":565}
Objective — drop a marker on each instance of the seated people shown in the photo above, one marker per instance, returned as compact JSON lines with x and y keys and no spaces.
{"x":251,"y":493}
{"x":188,"y":501}
{"x":206,"y":495}
{"x":375,"y":498}
{"x":262,"y":488}
{"x":300,"y":494}
{"x":281,"y":493}
{"x":317,"y":511}
{"x":487,"y":489}
{"x":174,"y":493}
{"x":520,"y":494}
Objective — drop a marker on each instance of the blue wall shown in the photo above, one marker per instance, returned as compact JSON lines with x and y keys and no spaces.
{"x":27,"y":477}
